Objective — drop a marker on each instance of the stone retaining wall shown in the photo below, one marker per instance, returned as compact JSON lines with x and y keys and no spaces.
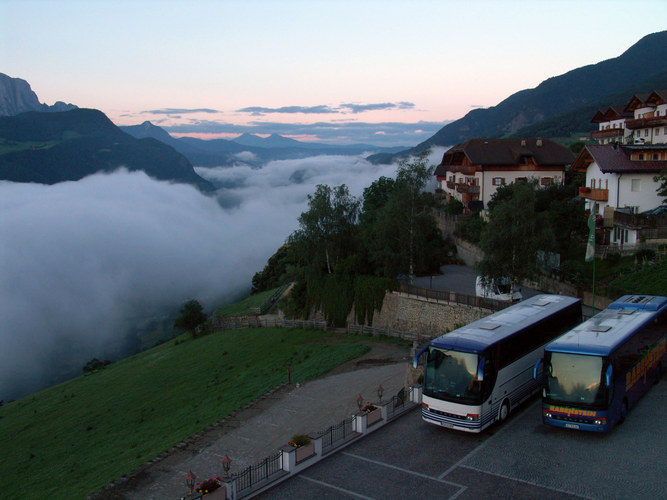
{"x":422,"y":316}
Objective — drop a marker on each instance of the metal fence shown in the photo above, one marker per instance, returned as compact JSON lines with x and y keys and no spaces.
{"x":254,"y":475}
{"x":452,"y":297}
{"x":397,"y":405}
{"x":336,"y":433}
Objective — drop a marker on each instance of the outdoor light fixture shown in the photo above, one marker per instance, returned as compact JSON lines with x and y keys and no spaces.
{"x":360,"y":401}
{"x":226,"y":464}
{"x":380,"y":389}
{"x":190,"y":480}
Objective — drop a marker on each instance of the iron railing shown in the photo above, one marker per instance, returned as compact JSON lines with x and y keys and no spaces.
{"x":253,"y":475}
{"x":336,"y":433}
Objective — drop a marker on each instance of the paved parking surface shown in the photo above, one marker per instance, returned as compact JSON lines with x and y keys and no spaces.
{"x":522,"y":459}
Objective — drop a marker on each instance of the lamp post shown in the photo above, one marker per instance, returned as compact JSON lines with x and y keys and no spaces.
{"x":190,"y":480}
{"x":380,"y":390}
{"x":226,"y":464}
{"x":360,"y":401}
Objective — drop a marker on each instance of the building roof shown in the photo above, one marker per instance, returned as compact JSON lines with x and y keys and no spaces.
{"x":657,"y":97}
{"x":616,"y":159}
{"x":506,"y":152}
{"x":610,"y":114}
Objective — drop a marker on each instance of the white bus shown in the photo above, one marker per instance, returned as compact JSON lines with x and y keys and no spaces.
{"x":476,"y":374}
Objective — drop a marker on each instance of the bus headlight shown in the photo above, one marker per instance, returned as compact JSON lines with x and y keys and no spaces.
{"x":600,"y":421}
{"x":547,"y":414}
{"x":472,"y":416}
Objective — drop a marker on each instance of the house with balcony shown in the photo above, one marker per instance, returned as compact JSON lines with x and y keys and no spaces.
{"x":643,"y":120}
{"x":620,"y":188}
{"x":473,"y":170}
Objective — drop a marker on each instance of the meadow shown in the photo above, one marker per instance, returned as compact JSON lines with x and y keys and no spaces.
{"x":73,"y":438}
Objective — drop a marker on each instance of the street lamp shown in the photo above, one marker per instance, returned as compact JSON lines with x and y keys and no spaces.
{"x":226,"y":464}
{"x":360,"y":401}
{"x":380,"y":389}
{"x":190,"y":480}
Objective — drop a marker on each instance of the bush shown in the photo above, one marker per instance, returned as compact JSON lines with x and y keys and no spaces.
{"x":644,"y":255}
{"x":471,"y":229}
{"x":299,"y":440}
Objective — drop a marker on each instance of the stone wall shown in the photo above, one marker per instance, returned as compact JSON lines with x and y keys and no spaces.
{"x":424,"y":317}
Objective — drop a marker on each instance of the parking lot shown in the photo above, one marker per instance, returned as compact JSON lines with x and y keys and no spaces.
{"x":521,"y":459}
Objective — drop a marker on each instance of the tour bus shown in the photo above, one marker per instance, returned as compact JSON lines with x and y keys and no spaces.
{"x":596,"y":372}
{"x":476,"y":374}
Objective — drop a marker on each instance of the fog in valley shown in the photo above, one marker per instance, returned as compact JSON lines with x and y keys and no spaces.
{"x":85,"y":265}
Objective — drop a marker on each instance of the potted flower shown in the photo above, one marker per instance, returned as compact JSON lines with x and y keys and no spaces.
{"x":208,"y":486}
{"x":373,"y":415}
{"x":304,"y":448}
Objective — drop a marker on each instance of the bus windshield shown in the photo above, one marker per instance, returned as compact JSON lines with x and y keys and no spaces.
{"x":452,"y":375}
{"x":575,"y":379}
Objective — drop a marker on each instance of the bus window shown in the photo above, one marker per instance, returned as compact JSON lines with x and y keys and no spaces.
{"x":575,"y":379}
{"x":452,"y":374}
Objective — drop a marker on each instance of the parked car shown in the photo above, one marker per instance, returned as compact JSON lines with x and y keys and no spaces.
{"x":497,"y":290}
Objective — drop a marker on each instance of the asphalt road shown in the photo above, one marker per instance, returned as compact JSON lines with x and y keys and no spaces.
{"x":523,"y":458}
{"x":460,"y":279}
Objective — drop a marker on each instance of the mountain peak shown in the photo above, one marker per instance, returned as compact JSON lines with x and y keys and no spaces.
{"x":17,"y":97}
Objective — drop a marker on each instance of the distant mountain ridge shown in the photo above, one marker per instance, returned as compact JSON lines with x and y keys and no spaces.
{"x":576,"y":91}
{"x":48,"y":148}
{"x":223,"y":152}
{"x":16,"y":97}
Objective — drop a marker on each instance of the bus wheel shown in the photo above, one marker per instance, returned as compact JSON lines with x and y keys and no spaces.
{"x":624,"y":411}
{"x":504,"y":411}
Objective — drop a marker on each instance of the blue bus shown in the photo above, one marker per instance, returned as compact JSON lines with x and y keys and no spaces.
{"x":476,"y":374}
{"x":596,"y":372}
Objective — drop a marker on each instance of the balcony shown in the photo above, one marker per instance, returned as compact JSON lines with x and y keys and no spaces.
{"x":451,"y":185}
{"x":656,"y":121}
{"x":467,"y":188}
{"x":463,"y":169}
{"x":603,"y":134}
{"x":594,"y":194}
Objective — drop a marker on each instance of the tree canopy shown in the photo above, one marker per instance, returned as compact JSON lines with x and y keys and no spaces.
{"x":191,"y":317}
{"x":346,"y":251}
{"x":515,"y":233}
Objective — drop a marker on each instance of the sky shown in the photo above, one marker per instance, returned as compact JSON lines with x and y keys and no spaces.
{"x":380,"y":72}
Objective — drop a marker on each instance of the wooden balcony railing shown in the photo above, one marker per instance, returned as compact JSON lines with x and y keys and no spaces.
{"x":655,"y":121}
{"x":594,"y":194}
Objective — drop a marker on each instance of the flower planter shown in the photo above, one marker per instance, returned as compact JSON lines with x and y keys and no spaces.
{"x":373,"y":417}
{"x":304,"y":452}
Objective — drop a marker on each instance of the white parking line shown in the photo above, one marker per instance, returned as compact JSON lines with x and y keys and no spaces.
{"x":328,"y":485}
{"x":410,"y":472}
{"x":531,"y":483}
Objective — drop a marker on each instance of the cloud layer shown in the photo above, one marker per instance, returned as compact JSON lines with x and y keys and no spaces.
{"x":83,"y":264}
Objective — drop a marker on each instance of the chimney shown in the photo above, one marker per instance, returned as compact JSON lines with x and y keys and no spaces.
{"x":538,"y":143}
{"x":523,"y":143}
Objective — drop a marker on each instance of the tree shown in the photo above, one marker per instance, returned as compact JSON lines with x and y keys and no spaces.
{"x":662,"y":189}
{"x":400,"y":232}
{"x":191,"y":317}
{"x":326,"y":230}
{"x":514,"y":234}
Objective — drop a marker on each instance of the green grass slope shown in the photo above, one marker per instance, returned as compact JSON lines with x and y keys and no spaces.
{"x":73,"y":438}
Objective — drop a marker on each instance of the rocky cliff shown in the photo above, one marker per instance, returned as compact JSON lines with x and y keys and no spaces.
{"x":16,"y":97}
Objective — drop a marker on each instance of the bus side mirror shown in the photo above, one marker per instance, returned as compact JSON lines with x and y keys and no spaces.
{"x":609,"y":376}
{"x":415,"y":361}
{"x":480,"y":369}
{"x":536,"y":369}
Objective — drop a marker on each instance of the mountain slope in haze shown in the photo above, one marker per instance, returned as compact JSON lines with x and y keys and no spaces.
{"x":587,"y":86}
{"x":223,"y":152}
{"x":16,"y":97}
{"x":48,"y":148}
